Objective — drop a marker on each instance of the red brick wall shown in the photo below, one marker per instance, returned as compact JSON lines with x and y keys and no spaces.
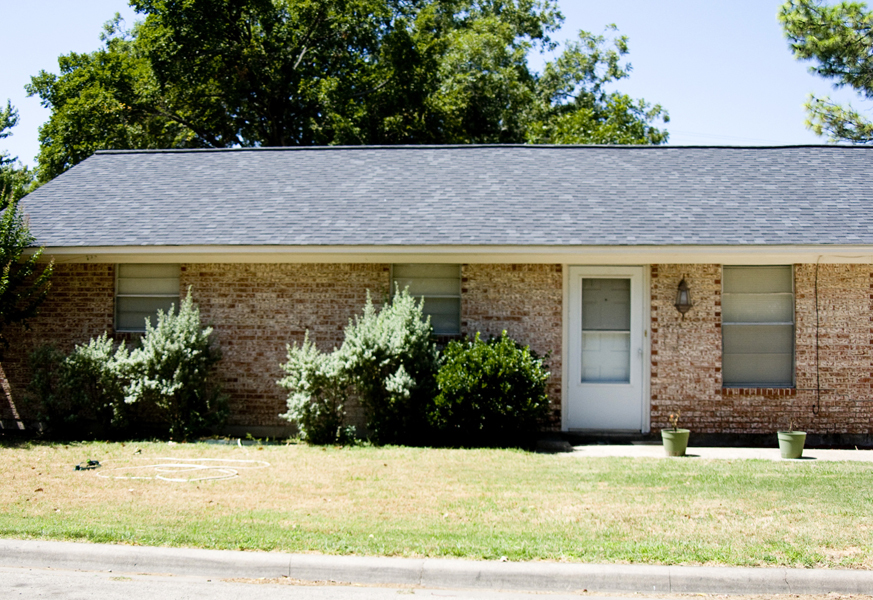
{"x":686,"y":356}
{"x":80,"y":305}
{"x":256,"y":309}
{"x":845,"y":342}
{"x":526,"y":301}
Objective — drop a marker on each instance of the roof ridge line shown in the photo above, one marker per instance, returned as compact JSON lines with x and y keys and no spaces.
{"x":477,"y":146}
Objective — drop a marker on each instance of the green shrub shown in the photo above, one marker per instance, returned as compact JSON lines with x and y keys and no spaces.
{"x":317,"y":394}
{"x":391,"y":361}
{"x":172,"y":369}
{"x":93,"y":376}
{"x":48,"y":399}
{"x":490,"y":393}
{"x":73,"y":394}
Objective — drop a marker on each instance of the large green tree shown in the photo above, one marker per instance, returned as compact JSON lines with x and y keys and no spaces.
{"x":15,"y":179}
{"x":24,"y":283}
{"x":107,"y":99}
{"x":225,"y":73}
{"x":575,"y":105}
{"x":839,"y":39}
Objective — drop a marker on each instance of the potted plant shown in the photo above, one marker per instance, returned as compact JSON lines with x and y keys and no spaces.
{"x":675,"y":439}
{"x":791,"y":442}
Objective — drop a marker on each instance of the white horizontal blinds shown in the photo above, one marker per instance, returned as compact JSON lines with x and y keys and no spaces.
{"x":142,"y":290}
{"x":758,"y":326}
{"x":440,"y":287}
{"x":606,"y":330}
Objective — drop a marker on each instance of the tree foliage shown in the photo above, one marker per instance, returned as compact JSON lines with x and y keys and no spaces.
{"x":15,"y":179}
{"x":839,"y":39}
{"x":103,"y":100}
{"x":226,"y":73}
{"x":24,"y":283}
{"x":575,"y":104}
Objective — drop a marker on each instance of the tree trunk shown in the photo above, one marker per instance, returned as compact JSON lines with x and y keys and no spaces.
{"x":7,"y":389}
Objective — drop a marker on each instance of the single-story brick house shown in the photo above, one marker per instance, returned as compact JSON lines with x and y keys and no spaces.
{"x":577,"y":251}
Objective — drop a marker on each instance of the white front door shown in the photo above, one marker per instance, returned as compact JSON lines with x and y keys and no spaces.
{"x":605,"y":387}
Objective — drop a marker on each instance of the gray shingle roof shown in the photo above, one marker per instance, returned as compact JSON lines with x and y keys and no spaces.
{"x":467,"y":195}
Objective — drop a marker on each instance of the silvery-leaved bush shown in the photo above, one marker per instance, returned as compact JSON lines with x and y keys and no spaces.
{"x":391,"y":359}
{"x":387,"y":360}
{"x":171,"y":369}
{"x":317,"y":394}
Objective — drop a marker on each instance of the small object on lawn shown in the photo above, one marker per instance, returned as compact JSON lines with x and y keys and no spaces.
{"x":791,"y":443}
{"x":88,"y":465}
{"x":675,"y":441}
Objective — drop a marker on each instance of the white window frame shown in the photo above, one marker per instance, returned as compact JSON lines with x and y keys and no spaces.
{"x":793,"y":323}
{"x":456,"y":295}
{"x":175,"y":297}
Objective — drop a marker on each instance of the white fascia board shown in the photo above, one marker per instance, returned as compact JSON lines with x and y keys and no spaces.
{"x":588,"y":255}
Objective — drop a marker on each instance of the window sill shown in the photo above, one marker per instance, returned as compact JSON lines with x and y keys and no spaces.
{"x":443,"y":339}
{"x":758,"y":391}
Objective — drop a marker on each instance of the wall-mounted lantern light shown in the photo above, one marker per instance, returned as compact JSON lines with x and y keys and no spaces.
{"x":683,"y":298}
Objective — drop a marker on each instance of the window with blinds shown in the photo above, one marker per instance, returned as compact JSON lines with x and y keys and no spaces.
{"x":142,"y":290}
{"x":758,"y":326}
{"x":439,"y":286}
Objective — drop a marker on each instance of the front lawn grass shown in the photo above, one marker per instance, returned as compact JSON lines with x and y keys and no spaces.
{"x":478,"y":504}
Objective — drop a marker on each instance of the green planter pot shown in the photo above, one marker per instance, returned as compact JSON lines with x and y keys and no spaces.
{"x":791,"y":443}
{"x":675,"y":441}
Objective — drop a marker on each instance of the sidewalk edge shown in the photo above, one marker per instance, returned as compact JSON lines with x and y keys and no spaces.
{"x":441,"y":573}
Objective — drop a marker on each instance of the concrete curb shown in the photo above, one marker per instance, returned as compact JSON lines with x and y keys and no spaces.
{"x":438,"y":573}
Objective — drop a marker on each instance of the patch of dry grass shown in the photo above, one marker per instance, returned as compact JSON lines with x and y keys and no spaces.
{"x":465,"y":503}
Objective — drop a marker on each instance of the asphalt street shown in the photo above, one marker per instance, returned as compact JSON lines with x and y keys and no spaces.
{"x":101,"y":585}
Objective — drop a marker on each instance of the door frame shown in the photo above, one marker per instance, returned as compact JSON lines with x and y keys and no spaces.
{"x":646,"y":381}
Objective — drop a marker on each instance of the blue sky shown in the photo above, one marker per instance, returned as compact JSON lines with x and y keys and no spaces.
{"x":722,"y":69}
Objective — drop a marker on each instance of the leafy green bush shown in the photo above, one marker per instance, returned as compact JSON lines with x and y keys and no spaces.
{"x":490,"y":393}
{"x":93,"y":375}
{"x":317,"y":394}
{"x":74,"y":393}
{"x":391,"y":361}
{"x":48,"y":399}
{"x":172,"y":370}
